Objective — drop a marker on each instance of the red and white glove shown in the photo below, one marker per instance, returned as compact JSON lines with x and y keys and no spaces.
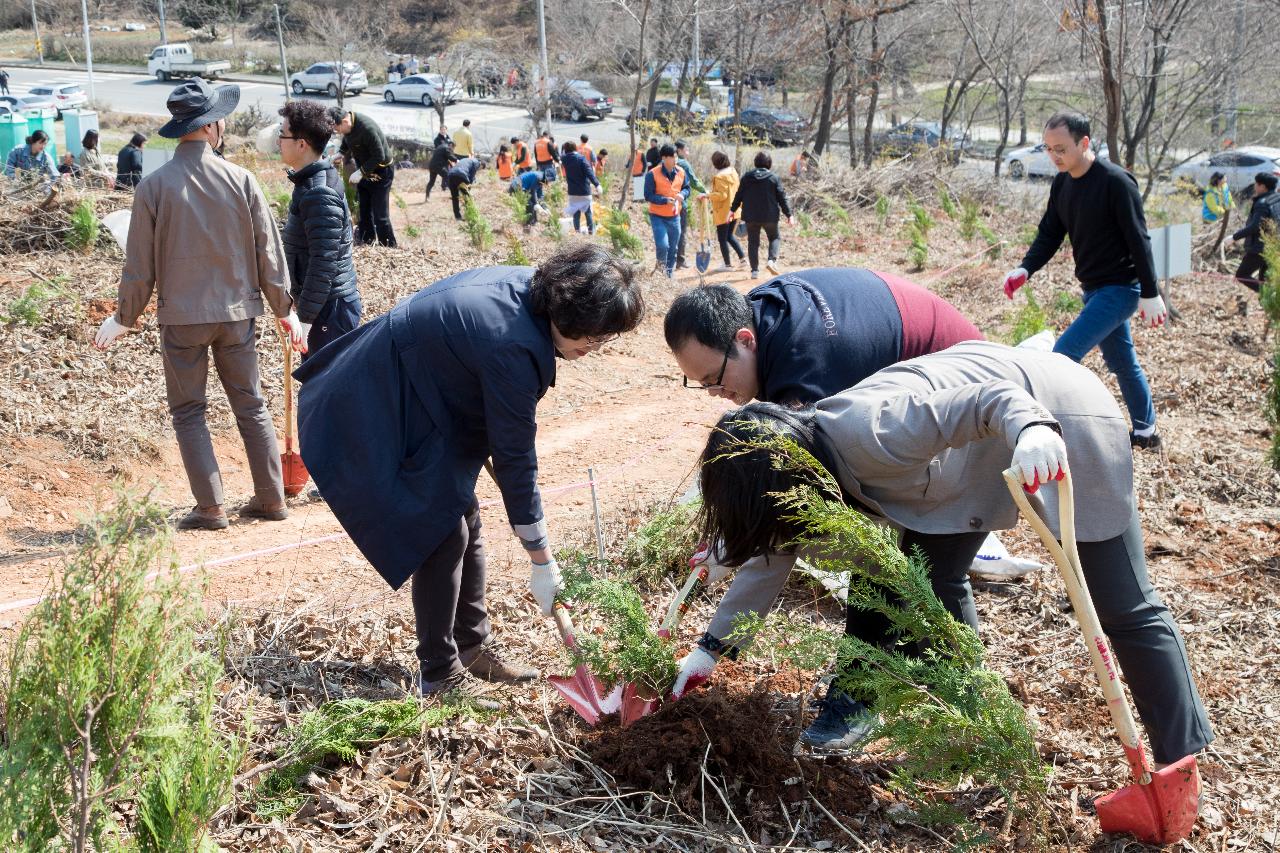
{"x":1014,"y":279}
{"x":297,"y":333}
{"x":1151,"y":310}
{"x":709,"y":556}
{"x":1039,"y":456}
{"x":695,"y":668}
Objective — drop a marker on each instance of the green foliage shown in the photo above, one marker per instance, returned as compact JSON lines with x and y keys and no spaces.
{"x":515,"y":252}
{"x":918,"y":228}
{"x":29,"y":308}
{"x":882,"y":208}
{"x":837,"y":216}
{"x":606,"y":183}
{"x":970,"y":210}
{"x":476,"y":226}
{"x":518,"y":202}
{"x":1028,"y":319}
{"x":1270,"y":296}
{"x":806,"y":224}
{"x":280,"y":201}
{"x":400,"y":202}
{"x":627,"y":648}
{"x":661,"y":547}
{"x":555,"y":199}
{"x":947,"y":203}
{"x":353,"y":198}
{"x":947,"y":718}
{"x":1065,"y":302}
{"x":995,"y":245}
{"x":1027,"y":235}
{"x":84,"y":227}
{"x":109,"y":703}
{"x":623,"y":241}
{"x":412,"y":231}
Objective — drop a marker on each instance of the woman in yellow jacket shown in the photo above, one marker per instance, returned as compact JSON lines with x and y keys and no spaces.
{"x":724,"y":184}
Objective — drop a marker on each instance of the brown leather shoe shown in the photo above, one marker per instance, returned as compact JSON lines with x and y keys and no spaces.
{"x":460,"y":688}
{"x":269,"y":512}
{"x":204,"y":518}
{"x":486,"y":662}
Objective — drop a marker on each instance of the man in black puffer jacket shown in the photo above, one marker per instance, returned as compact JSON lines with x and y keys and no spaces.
{"x":317,"y":235}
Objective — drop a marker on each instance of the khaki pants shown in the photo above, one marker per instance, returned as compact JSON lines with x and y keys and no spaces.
{"x":186,"y":375}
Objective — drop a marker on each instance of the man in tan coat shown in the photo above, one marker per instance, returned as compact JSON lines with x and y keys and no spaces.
{"x":203,"y":237}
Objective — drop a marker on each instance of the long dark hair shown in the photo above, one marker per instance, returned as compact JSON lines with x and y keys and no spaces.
{"x":90,"y":140}
{"x":742,"y":482}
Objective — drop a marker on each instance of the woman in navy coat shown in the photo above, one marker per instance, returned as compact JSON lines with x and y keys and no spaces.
{"x":397,"y":417}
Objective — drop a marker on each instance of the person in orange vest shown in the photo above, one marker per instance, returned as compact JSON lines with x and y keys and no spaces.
{"x":600,"y":161}
{"x":520,"y":154}
{"x":800,"y":165}
{"x":666,"y":188}
{"x":502,"y":162}
{"x":585,"y":150}
{"x":545,"y":157}
{"x":638,"y":170}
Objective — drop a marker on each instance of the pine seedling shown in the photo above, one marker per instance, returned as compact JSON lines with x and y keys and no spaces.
{"x":841,"y":223}
{"x":518,"y":203}
{"x":661,"y":547}
{"x":946,"y":202}
{"x":969,"y":212}
{"x":412,"y":231}
{"x":29,"y":308}
{"x":84,"y":228}
{"x":555,"y":199}
{"x":1028,"y":320}
{"x":515,"y":252}
{"x":995,"y":246}
{"x":623,"y":241}
{"x":882,"y":208}
{"x":400,"y":202}
{"x":476,"y":226}
{"x":1065,"y":302}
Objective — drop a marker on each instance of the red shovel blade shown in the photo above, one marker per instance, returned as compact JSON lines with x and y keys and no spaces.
{"x":295,"y":473}
{"x":583,"y":693}
{"x":1162,"y":812}
{"x":636,"y":703}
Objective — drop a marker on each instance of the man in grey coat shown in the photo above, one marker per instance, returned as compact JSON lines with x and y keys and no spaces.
{"x":922,"y":445}
{"x":204,"y":240}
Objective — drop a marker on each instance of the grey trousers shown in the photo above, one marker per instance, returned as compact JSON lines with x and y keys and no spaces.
{"x":186,"y":377}
{"x":448,"y":599}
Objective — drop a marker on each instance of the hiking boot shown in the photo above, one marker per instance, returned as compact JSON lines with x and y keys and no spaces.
{"x":1145,"y":442}
{"x":204,"y":518}
{"x":723,"y":268}
{"x":268,"y":512}
{"x":460,"y":688}
{"x":843,"y":724}
{"x":771,"y":265}
{"x":487,"y":663}
{"x":682,"y":265}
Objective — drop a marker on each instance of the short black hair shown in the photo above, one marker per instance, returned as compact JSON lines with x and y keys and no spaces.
{"x":1267,"y":179}
{"x":763,"y":160}
{"x":569,"y":146}
{"x":137,"y":139}
{"x":466,"y":122}
{"x":338,"y":114}
{"x":711,"y":315}
{"x":680,"y":143}
{"x":1214,"y":178}
{"x":667,"y":150}
{"x":653,"y":140}
{"x":310,"y":120}
{"x":742,"y":485}
{"x":587,"y":291}
{"x":514,"y":140}
{"x":1076,"y":124}
{"x":583,"y":137}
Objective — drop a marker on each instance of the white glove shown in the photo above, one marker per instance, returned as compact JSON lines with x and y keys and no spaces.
{"x":306,"y":332}
{"x":355,"y":176}
{"x":297,"y":336}
{"x":1151,"y":310}
{"x":1040,"y":456}
{"x":710,"y":556}
{"x":695,"y":668}
{"x":108,"y":332}
{"x":1014,"y":279}
{"x":545,"y":582}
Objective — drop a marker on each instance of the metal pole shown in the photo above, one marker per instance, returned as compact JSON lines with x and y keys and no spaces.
{"x":284,"y":65}
{"x":595,"y":508}
{"x":697,"y":53}
{"x":35,"y":25}
{"x":164,"y":32}
{"x":542,"y":53}
{"x":88,"y":46}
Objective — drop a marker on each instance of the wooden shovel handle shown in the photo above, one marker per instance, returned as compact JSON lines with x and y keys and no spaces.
{"x":1105,"y":668}
{"x":289,"y":425}
{"x":677,"y":608}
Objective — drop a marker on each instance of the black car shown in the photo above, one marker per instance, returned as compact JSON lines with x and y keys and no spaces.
{"x":764,"y":125}
{"x":577,"y":100}
{"x":669,"y":114}
{"x":913,"y":137}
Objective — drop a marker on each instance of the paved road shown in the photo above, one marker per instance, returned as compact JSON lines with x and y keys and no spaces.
{"x":491,"y":123}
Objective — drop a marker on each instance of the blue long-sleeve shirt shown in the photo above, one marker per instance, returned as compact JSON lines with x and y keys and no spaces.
{"x":22,"y":160}
{"x":579,"y":177}
{"x":651,"y":186}
{"x":531,"y":183}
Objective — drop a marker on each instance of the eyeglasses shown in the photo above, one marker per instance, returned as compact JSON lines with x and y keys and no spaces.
{"x":283,"y":136}
{"x":599,"y":342}
{"x":719,"y":383}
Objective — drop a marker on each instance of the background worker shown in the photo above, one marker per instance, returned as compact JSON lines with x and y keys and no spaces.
{"x":365,"y":148}
{"x":1098,"y":204}
{"x":581,"y":185}
{"x":1264,"y":212}
{"x":666,"y":189}
{"x":398,"y":417}
{"x":520,"y":154}
{"x":545,"y":157}
{"x":442,"y":160}
{"x":460,"y":178}
{"x":695,"y":186}
{"x":464,"y":144}
{"x":530,"y":183}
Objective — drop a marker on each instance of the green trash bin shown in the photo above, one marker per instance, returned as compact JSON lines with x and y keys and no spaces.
{"x":13,"y":132}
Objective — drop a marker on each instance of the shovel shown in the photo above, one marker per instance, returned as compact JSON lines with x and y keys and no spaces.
{"x":584,"y":692}
{"x":702,"y":260}
{"x":1162,"y":805}
{"x":295,"y":472}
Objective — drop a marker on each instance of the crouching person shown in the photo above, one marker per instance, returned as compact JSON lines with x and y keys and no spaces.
{"x":922,"y":445}
{"x":398,"y":417}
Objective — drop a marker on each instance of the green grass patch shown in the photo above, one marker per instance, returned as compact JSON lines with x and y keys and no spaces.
{"x":30,"y":308}
{"x":623,"y":241}
{"x":1028,"y":319}
{"x":661,"y":547}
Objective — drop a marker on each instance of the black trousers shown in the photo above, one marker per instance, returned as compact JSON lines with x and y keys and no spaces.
{"x":1252,"y":271}
{"x":1140,"y":628}
{"x":374,"y":197}
{"x":448,"y":599}
{"x":459,"y":188}
{"x":442,"y":174}
{"x":724,"y":233}
{"x":753,"y":242}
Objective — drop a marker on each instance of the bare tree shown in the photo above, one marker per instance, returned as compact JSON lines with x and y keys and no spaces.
{"x":347,"y":35}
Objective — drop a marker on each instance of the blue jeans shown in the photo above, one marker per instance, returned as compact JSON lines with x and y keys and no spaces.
{"x":666,"y":239}
{"x":1104,"y":323}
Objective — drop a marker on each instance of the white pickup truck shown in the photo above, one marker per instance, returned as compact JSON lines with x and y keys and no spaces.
{"x":176,"y":60}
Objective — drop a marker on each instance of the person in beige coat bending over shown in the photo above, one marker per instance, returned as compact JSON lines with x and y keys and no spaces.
{"x":202,"y":237}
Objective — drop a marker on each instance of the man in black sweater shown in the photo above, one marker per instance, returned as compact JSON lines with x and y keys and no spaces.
{"x":364,"y":145}
{"x":1098,"y":204}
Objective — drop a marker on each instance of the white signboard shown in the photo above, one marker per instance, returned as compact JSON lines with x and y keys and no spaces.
{"x":1171,"y":250}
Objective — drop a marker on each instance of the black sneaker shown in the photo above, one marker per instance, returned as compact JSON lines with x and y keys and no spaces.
{"x":1145,"y":442}
{"x":843,"y":724}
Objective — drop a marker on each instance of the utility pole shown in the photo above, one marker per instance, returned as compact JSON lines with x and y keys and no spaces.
{"x":164,"y":32}
{"x":284,"y":65}
{"x":88,"y":46}
{"x":542,"y":53}
{"x":35,"y":25}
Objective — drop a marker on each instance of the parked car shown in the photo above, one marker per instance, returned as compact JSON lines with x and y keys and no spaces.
{"x":324,"y":77}
{"x":65,"y":96}
{"x":425,"y":89}
{"x":1238,"y":165}
{"x":766,"y":125}
{"x":42,"y":104}
{"x":912,"y":136}
{"x":577,"y":100}
{"x":1033,"y":161}
{"x":669,"y":114}
{"x":134,"y":27}
{"x":177,"y":60}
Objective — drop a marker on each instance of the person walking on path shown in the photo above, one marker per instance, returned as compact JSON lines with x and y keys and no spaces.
{"x":695,"y":186}
{"x":317,"y":235}
{"x":4,"y":82}
{"x":460,"y":178}
{"x":763,"y":202}
{"x":793,"y":341}
{"x":209,"y":293}
{"x":545,"y":157}
{"x":31,"y":158}
{"x":129,"y":162}
{"x":1216,"y":198}
{"x":1263,"y":213}
{"x":442,"y":160}
{"x":398,"y":418}
{"x":581,"y":185}
{"x":1098,"y":204}
{"x":530,"y":183}
{"x":584,"y":148}
{"x":724,"y":186}
{"x":666,"y":189}
{"x":464,"y":143}
{"x":364,"y":145}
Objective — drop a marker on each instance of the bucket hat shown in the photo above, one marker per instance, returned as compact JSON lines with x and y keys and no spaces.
{"x":195,"y":104}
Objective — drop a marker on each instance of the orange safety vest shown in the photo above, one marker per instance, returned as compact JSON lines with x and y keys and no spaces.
{"x":503,"y":162}
{"x":542,"y":151}
{"x":669,"y":187}
{"x":600,"y":163}
{"x":637,"y":165}
{"x":523,"y":161}
{"x":585,"y":151}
